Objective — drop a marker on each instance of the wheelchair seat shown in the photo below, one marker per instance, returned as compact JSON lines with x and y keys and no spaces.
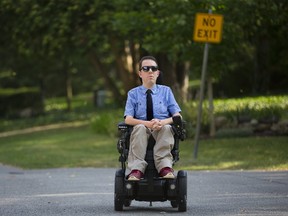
{"x":151,"y":187}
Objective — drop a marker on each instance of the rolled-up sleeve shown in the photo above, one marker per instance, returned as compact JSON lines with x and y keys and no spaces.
{"x":129,"y":107}
{"x":173,"y":106}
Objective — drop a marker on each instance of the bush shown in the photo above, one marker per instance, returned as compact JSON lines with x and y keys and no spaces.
{"x":105,"y":122}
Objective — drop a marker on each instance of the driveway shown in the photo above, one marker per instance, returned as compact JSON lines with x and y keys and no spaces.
{"x":90,"y":191}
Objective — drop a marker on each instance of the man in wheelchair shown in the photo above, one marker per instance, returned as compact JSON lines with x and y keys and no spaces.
{"x":149,"y":143}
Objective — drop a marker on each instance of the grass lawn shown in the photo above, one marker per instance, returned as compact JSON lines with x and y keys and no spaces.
{"x":67,"y":147}
{"x":80,"y":147}
{"x":247,"y":153}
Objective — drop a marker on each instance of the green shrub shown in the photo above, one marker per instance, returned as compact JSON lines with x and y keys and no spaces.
{"x":189,"y":113}
{"x":105,"y":122}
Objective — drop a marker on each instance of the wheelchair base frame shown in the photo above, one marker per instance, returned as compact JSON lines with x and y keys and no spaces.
{"x":151,"y":190}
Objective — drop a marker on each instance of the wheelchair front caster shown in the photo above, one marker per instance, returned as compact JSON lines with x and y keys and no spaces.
{"x":174,"y":203}
{"x":127,"y":202}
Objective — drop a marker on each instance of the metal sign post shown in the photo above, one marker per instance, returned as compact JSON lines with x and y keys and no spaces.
{"x":208,"y":29}
{"x":202,"y":87}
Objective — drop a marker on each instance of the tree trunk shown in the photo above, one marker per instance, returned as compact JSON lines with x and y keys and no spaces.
{"x":261,"y":78}
{"x":124,"y":63}
{"x":134,"y":51}
{"x":69,"y":93}
{"x":110,"y":83}
{"x":264,"y":63}
{"x":183,"y":80}
{"x":168,"y":71}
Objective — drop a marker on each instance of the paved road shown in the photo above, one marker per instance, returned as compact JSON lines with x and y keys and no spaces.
{"x":89,"y":191}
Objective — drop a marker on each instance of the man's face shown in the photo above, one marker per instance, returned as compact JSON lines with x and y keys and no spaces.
{"x":149,"y":72}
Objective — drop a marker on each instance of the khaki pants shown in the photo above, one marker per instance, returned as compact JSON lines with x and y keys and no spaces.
{"x":162,"y":149}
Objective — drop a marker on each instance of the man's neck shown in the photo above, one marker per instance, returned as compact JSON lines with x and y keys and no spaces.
{"x":149,"y":86}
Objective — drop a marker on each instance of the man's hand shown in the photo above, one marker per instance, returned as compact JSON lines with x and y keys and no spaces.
{"x":156,"y":124}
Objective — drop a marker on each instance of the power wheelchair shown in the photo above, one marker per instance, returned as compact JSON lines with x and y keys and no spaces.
{"x":151,"y":187}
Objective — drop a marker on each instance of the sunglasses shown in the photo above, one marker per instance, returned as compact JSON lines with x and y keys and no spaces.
{"x":147,"y":68}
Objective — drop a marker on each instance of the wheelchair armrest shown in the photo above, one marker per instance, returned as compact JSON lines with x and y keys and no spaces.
{"x":123,"y":142}
{"x":179,"y":127}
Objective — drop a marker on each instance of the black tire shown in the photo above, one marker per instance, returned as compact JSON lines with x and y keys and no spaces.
{"x":182,"y":191}
{"x":174,"y":203}
{"x":119,"y":191}
{"x":127,"y":202}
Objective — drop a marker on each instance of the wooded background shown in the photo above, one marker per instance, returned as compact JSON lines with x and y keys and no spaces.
{"x":71,"y":46}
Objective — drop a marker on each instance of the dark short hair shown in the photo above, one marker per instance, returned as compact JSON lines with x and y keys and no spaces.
{"x":145,"y":58}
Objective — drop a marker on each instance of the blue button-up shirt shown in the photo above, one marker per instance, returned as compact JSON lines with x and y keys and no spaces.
{"x":164,"y":103}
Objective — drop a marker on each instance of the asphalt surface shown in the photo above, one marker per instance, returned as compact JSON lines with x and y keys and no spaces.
{"x":90,"y":191}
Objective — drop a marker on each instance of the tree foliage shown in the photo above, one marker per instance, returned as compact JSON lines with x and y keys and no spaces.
{"x":99,"y":43}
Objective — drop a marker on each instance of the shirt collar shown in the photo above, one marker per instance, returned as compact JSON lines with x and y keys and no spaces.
{"x":153,"y":89}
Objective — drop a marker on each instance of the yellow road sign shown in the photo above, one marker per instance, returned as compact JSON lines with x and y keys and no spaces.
{"x":208,"y":28}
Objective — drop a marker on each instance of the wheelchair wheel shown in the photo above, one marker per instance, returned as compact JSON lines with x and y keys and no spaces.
{"x":174,"y":203}
{"x":127,"y":202}
{"x":182,"y":196}
{"x":119,"y":191}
